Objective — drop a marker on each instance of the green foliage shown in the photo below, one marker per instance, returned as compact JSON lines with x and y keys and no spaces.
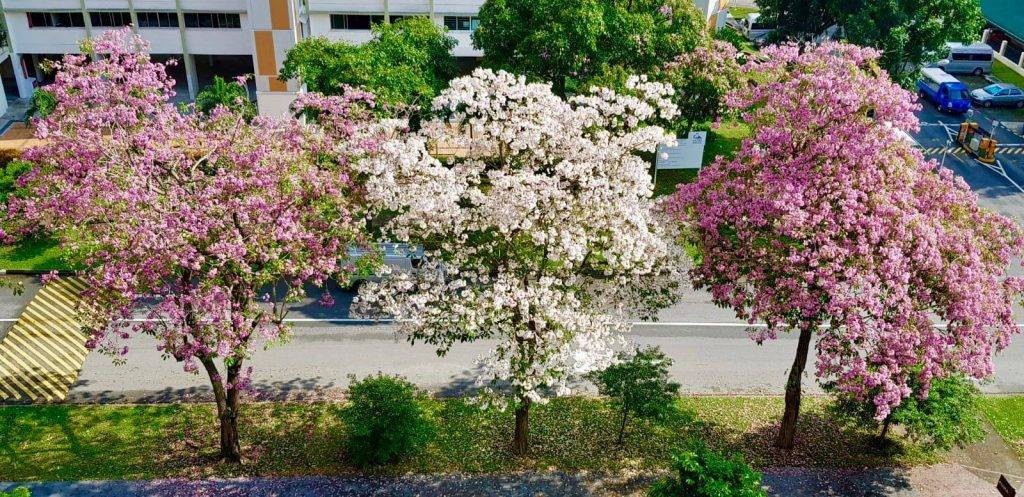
{"x":233,"y":95}
{"x":734,"y":38}
{"x":639,"y":386}
{"x":9,"y":175}
{"x":702,"y":79}
{"x":910,"y":34}
{"x":42,"y":103}
{"x":701,"y":472}
{"x":573,"y":42}
{"x":800,"y":19}
{"x":17,"y":492}
{"x":407,"y":62}
{"x":385,"y":420}
{"x":950,"y":415}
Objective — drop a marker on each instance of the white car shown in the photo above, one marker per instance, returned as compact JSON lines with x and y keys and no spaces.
{"x":755,"y":31}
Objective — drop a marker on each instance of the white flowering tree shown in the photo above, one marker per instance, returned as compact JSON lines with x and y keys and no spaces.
{"x":540,"y":232}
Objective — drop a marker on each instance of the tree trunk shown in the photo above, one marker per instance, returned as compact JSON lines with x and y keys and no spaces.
{"x":227,"y":411}
{"x":521,"y":439}
{"x":787,"y":432}
{"x":885,"y":429}
{"x":622,"y":427}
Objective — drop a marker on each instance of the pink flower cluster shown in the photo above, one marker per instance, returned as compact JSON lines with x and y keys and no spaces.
{"x":827,"y":219}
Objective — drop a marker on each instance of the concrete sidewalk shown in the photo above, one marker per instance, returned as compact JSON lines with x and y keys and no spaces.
{"x":944,"y":480}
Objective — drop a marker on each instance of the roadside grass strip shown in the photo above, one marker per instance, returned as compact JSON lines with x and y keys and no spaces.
{"x":43,"y":352}
{"x":48,"y":442}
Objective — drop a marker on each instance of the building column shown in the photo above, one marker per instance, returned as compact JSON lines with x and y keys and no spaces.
{"x":186,"y":57}
{"x":3,"y":98}
{"x":134,"y":15}
{"x":1002,"y":48}
{"x":275,"y":30}
{"x":191,"y":75}
{"x":985,"y":34}
{"x":25,"y":83}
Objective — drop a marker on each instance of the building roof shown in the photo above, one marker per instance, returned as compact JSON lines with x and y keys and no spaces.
{"x":1006,"y":15}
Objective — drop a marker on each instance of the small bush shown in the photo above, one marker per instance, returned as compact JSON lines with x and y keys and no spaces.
{"x":17,"y":492}
{"x":385,"y":420}
{"x":639,"y":386}
{"x":949,"y":416}
{"x":42,"y":104}
{"x":9,"y":174}
{"x":233,"y":95}
{"x":701,"y":472}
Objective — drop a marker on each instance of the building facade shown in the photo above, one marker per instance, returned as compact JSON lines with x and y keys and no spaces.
{"x":220,"y":37}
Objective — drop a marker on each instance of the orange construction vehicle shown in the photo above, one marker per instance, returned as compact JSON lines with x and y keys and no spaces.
{"x":977,"y":142}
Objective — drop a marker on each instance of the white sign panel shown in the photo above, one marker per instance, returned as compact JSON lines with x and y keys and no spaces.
{"x":688,"y":153}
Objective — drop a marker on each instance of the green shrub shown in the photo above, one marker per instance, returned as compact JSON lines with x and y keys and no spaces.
{"x":385,"y":420}
{"x":700,"y":472}
{"x":639,"y":386}
{"x":949,"y":416}
{"x":233,"y":95}
{"x":17,"y":492}
{"x":42,"y":103}
{"x":9,"y":174}
{"x":734,"y":38}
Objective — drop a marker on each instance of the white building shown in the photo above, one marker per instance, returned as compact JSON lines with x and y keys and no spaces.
{"x":219,"y":37}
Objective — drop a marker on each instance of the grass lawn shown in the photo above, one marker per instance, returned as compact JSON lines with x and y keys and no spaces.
{"x":1006,"y":74}
{"x":1007,"y":416}
{"x":725,"y":141}
{"x":741,"y":12}
{"x":32,"y":254}
{"x":66,"y":442}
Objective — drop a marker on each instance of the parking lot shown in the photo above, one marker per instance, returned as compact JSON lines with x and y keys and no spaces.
{"x":1001,"y":187}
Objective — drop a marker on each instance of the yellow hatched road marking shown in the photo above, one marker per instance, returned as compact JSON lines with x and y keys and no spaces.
{"x":43,"y":352}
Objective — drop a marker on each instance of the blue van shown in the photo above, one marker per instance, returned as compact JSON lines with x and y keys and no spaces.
{"x":946,"y":92}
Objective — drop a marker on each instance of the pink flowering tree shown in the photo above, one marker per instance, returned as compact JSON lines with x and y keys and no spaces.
{"x":539,"y":230}
{"x":827,"y":223}
{"x":206,"y":226}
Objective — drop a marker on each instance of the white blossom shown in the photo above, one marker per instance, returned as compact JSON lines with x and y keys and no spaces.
{"x":542,"y":233}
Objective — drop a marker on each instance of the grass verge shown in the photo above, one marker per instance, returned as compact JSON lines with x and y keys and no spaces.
{"x":68,"y":442}
{"x":724,"y":141}
{"x":1007,"y":416}
{"x":32,"y":254}
{"x":1006,"y":74}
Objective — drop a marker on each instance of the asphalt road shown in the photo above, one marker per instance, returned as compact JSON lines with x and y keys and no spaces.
{"x":712,"y":351}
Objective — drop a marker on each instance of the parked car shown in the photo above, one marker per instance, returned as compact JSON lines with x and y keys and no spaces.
{"x":1002,"y":94}
{"x":973,"y":59}
{"x":755,"y":31}
{"x":946,"y":92}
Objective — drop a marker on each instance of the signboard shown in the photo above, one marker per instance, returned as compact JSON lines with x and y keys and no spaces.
{"x":1004,"y":487}
{"x":688,"y":153}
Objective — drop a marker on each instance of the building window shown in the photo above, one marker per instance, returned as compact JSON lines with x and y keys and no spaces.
{"x":56,"y":20}
{"x":212,"y":20}
{"x":461,"y":23}
{"x":158,"y":19}
{"x":356,"y":21}
{"x":110,"y":19}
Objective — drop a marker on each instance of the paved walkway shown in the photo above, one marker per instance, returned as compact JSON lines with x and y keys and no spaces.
{"x":936,"y":481}
{"x":42,"y":354}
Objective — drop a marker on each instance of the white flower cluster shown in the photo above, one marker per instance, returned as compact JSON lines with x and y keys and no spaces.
{"x":542,"y":234}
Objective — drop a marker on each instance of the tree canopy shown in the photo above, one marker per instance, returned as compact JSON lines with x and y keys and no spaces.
{"x":827,"y":224}
{"x":572,"y":42}
{"x":909,"y":33}
{"x":407,"y":62}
